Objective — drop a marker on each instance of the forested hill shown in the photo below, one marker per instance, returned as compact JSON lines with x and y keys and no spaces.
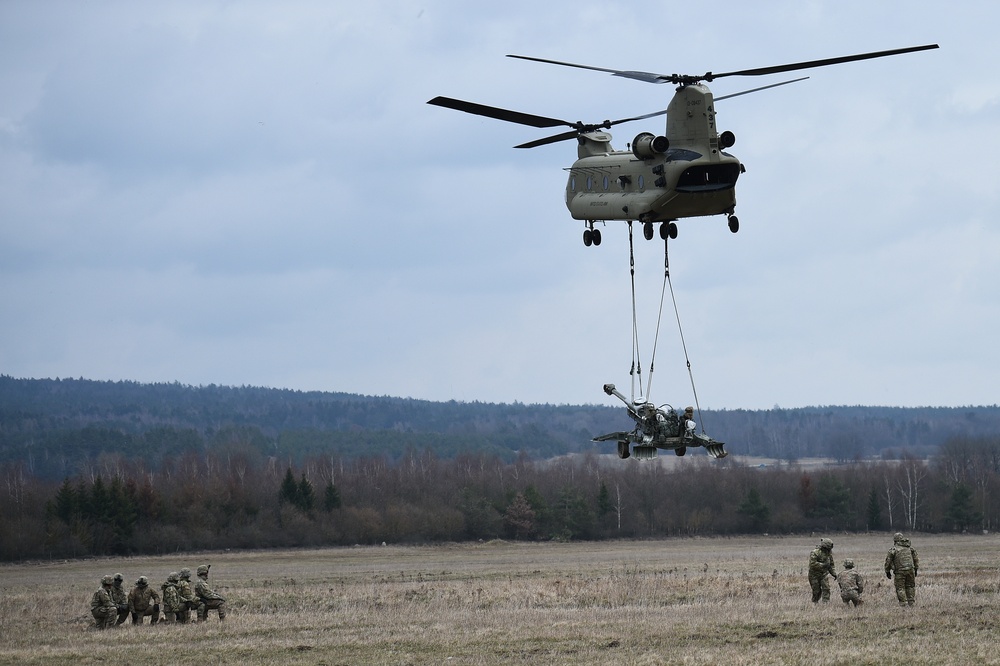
{"x":54,"y":425}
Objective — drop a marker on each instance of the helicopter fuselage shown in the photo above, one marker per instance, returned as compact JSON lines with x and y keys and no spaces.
{"x":685,"y":173}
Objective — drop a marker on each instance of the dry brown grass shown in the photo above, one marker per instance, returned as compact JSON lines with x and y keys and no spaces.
{"x":679,"y":601}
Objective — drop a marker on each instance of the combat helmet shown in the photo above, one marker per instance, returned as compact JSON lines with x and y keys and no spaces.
{"x":848,"y":563}
{"x":897,"y":537}
{"x":826,"y":544}
{"x":203,"y":569}
{"x":107,"y":580}
{"x":173,"y":577}
{"x":119,"y":578}
{"x":142,"y":582}
{"x":185,"y":573}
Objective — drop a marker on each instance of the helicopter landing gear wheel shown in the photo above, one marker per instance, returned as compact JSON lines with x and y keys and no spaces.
{"x":623,"y":450}
{"x":680,"y":451}
{"x":588,"y":237}
{"x":668,"y":230}
{"x":734,"y":223}
{"x":596,"y":236}
{"x":647,"y":230}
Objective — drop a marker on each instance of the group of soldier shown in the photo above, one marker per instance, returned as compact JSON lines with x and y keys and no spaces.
{"x":901,"y":561}
{"x":111,"y":606}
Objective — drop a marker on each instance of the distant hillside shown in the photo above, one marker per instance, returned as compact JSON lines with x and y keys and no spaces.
{"x":54,"y":425}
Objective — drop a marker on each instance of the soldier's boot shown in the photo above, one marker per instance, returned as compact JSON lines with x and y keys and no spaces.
{"x":222,"y":614}
{"x":156,"y":614}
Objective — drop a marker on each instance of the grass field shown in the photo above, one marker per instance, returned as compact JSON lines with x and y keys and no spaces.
{"x":678,"y":601}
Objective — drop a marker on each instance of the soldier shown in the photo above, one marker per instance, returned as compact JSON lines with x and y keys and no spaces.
{"x":142,"y":601}
{"x":902,"y":560}
{"x":171,"y":598}
{"x":102,"y":607}
{"x":189,"y":601}
{"x":208,"y":598}
{"x":821,"y":564}
{"x":852,"y":585}
{"x":120,"y":597}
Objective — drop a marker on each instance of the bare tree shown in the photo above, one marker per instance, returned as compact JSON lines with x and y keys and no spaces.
{"x":914,"y":471}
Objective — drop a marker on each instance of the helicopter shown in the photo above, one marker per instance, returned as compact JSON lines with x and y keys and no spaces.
{"x":659,"y":179}
{"x":658,"y":428}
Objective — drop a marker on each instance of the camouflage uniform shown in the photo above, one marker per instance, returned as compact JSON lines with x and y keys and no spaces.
{"x":208,"y":598}
{"x":189,"y":601}
{"x":172,"y":604}
{"x":102,"y":607}
{"x":852,"y":585}
{"x":120,"y":597}
{"x":821,"y":564}
{"x":142,"y":601}
{"x":902,"y":560}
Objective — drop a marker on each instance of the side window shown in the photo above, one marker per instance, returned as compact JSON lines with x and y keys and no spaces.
{"x":572,"y":183}
{"x":605,"y":183}
{"x":642,"y":182}
{"x":590,"y":183}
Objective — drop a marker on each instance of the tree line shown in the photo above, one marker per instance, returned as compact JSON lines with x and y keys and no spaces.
{"x":241,"y":499}
{"x":56,"y":427}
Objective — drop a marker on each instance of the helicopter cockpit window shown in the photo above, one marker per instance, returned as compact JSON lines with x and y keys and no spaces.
{"x":572,"y":183}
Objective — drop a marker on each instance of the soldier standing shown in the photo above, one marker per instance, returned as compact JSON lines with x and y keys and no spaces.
{"x":189,"y":601}
{"x":142,"y":601}
{"x":102,"y":607}
{"x":902,"y":560}
{"x":120,"y":597}
{"x":172,"y":604}
{"x":852,"y":585}
{"x":821,"y":564}
{"x":209,"y":599}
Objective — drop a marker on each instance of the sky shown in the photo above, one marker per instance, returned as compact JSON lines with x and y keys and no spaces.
{"x":256,"y":193}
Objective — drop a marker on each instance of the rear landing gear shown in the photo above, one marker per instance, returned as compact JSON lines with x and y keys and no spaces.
{"x":734,"y":223}
{"x":591,"y":236}
{"x":668,"y":230}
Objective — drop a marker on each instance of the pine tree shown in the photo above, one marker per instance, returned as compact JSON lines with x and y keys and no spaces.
{"x":757,"y":512}
{"x":604,"y":505}
{"x":307,"y":497}
{"x":874,"y":510}
{"x":519,"y":519}
{"x":289,"y":491}
{"x":331,"y":497}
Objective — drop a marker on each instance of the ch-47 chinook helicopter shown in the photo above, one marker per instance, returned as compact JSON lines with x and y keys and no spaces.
{"x":683,"y":173}
{"x":657,"y":428}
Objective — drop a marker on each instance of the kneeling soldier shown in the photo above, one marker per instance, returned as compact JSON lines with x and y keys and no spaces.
{"x":144,"y":601}
{"x":852,"y":585}
{"x":208,"y":598}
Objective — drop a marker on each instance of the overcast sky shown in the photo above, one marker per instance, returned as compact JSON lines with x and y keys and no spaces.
{"x":256,"y":193}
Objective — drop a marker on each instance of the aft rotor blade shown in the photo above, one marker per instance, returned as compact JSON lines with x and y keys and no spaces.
{"x":752,"y":90}
{"x":498,"y":113}
{"x":648,"y":77}
{"x":761,"y":71}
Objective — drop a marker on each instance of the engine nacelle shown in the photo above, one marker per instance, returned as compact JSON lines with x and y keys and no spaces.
{"x":647,"y":146}
{"x":727,"y":139}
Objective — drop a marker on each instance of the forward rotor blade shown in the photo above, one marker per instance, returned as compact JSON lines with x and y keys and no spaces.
{"x":752,"y":90}
{"x":761,"y":71}
{"x":570,"y":135}
{"x":565,"y":136}
{"x":498,"y":113}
